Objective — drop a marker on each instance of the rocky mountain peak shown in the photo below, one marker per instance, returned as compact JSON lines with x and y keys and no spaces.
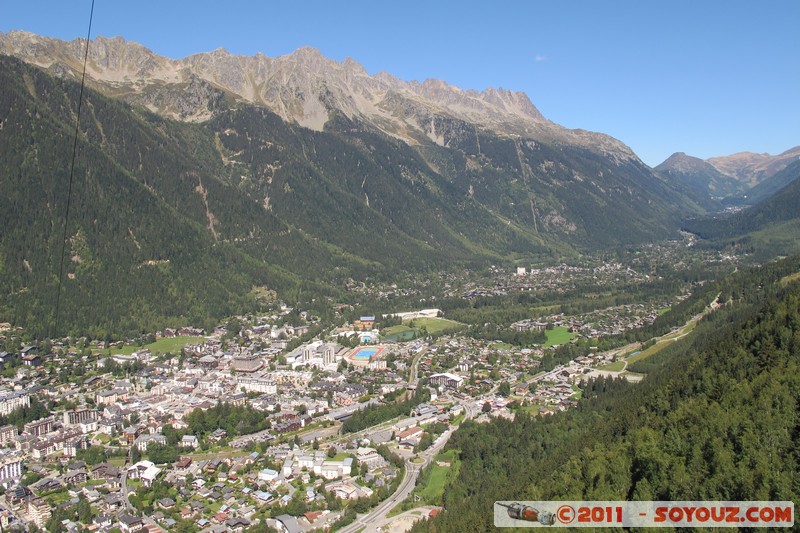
{"x":512,"y":102}
{"x":681,"y":162}
{"x":303,"y":87}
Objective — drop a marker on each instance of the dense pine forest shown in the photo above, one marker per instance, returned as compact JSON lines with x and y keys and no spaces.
{"x":715,"y":419}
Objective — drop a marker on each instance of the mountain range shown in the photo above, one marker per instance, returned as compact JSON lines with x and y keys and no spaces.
{"x":303,"y":87}
{"x":202,"y":178}
{"x":772,"y":224}
{"x":743,"y":178}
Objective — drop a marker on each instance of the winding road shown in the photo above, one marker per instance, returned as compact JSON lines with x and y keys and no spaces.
{"x":378,"y":514}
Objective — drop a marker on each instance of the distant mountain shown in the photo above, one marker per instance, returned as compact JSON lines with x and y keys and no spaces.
{"x":773,"y":225}
{"x":699,"y":176}
{"x":736,"y":179}
{"x":774,"y":183}
{"x":297,"y":173}
{"x":751,"y":169}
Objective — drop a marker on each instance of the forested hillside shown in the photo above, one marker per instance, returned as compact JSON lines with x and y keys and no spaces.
{"x":774,"y":183}
{"x":175,"y":222}
{"x":716,"y":419}
{"x":769,"y":227}
{"x":153,"y":237}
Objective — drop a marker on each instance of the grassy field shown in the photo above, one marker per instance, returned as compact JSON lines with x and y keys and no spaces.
{"x":399,"y":333}
{"x":173,"y":345}
{"x":500,"y":346}
{"x":431,"y":489}
{"x":531,"y":409}
{"x":435,"y":325}
{"x":790,"y":279}
{"x":396,"y":330}
{"x":681,"y":332}
{"x":559,"y":335}
{"x":58,"y":497}
{"x":616,"y":366}
{"x":648,"y":352}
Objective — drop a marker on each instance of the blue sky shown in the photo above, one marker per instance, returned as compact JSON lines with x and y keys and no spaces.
{"x":703,"y":77}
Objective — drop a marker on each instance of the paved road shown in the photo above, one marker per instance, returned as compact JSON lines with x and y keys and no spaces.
{"x":124,"y":489}
{"x":320,"y":433}
{"x":378,"y":515}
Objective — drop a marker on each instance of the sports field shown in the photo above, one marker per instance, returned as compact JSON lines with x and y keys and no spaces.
{"x":365,"y":354}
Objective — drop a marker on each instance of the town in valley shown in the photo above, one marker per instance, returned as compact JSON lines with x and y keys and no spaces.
{"x":282,"y":419}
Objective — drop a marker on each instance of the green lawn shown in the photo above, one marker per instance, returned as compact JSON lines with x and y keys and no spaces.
{"x":648,"y":352}
{"x":173,"y":345}
{"x":559,"y":335}
{"x":578,"y":392}
{"x":531,"y":409}
{"x":399,"y":333}
{"x":396,"y":330}
{"x":431,"y":489}
{"x":435,"y":325}
{"x":500,"y":346}
{"x":399,"y":508}
{"x":616,"y":366}
{"x":58,"y":497}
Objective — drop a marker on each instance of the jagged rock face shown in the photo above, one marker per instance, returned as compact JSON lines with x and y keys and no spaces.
{"x":303,"y":87}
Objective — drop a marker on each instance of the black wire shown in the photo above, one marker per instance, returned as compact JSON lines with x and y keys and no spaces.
{"x":54,"y":331}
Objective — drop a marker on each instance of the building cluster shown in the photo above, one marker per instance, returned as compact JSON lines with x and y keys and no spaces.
{"x":614,"y":320}
{"x":294,"y":388}
{"x":557,"y":278}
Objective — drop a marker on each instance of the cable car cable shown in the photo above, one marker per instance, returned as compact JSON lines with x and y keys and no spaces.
{"x":54,"y":331}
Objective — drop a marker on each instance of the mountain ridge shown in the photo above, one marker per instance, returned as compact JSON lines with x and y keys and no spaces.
{"x":293,"y":87}
{"x":287,"y":206}
{"x":752,"y":168}
{"x":699,"y":175}
{"x":748,"y":169}
{"x":775,"y":216}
